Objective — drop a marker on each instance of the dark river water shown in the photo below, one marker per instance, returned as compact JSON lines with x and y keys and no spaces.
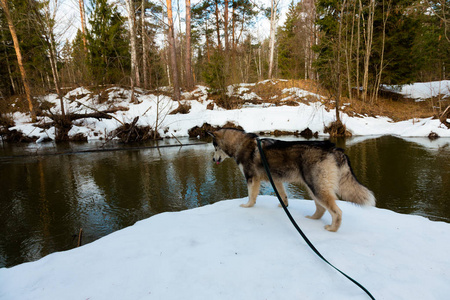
{"x":48,"y":192}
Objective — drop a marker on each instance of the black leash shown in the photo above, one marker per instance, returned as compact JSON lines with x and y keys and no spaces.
{"x":266,"y":167}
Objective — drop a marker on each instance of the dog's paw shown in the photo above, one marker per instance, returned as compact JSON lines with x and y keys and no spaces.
{"x":279,"y":205}
{"x":331,"y":228}
{"x":247,"y":205}
{"x":313,"y":217}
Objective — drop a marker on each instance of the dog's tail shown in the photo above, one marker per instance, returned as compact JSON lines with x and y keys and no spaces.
{"x":350,"y":189}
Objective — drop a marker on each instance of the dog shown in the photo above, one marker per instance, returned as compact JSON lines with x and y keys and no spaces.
{"x":321,"y":167}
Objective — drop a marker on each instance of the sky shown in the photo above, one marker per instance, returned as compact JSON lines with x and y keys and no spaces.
{"x":68,"y":16}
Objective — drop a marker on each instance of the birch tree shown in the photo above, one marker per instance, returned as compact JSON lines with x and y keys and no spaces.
{"x":386,"y":11}
{"x":273,"y":21}
{"x":173,"y":53}
{"x":47,"y":23}
{"x":189,"y":82}
{"x":368,"y":36}
{"x":144,"y":46}
{"x":131,"y":15}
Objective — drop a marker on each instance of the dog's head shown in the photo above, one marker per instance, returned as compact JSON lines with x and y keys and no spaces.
{"x":219,"y":153}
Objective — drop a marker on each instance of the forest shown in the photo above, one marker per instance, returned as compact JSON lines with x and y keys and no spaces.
{"x":349,"y":47}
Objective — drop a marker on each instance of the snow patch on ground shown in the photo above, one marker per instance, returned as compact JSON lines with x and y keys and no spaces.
{"x":223,"y":251}
{"x":422,"y":90}
{"x":153,"y":111}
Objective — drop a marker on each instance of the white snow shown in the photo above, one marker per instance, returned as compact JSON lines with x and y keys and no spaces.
{"x":423,"y":90}
{"x":300,"y":93}
{"x":223,"y":251}
{"x":251,"y":117}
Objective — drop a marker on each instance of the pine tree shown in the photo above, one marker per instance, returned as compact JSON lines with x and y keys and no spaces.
{"x":78,"y":59}
{"x":401,"y":31}
{"x":291,"y":44}
{"x":109,"y":56}
{"x":431,"y":44}
{"x":327,"y":51}
{"x":209,"y":25}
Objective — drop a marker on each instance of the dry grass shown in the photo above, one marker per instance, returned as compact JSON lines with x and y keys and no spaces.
{"x":397,"y":109}
{"x":272,"y":91}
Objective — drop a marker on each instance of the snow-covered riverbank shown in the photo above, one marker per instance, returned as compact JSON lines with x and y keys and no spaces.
{"x":223,"y":251}
{"x":256,"y":118}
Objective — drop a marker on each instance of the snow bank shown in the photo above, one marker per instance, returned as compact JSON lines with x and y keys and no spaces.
{"x":153,"y":111}
{"x":422,"y":90}
{"x":223,"y":251}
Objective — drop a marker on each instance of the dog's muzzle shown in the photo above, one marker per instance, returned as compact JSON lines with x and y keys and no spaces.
{"x":218,"y":160}
{"x":219,"y":156}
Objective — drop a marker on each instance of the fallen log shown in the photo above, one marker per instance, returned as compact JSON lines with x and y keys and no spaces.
{"x":444,"y":116}
{"x":63,"y":123}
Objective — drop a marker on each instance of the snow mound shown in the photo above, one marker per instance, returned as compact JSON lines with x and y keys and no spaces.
{"x":422,"y":90}
{"x":153,"y":111}
{"x":223,"y":251}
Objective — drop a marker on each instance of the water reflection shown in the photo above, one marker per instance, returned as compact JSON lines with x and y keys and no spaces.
{"x":405,"y":176}
{"x":45,"y":200}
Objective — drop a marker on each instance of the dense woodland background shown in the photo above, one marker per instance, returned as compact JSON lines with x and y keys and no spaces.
{"x":350,"y":47}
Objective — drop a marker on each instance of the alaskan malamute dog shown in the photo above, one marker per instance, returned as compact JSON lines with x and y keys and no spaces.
{"x":322,"y":168}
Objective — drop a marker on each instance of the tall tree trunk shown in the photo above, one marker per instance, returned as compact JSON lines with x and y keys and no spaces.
{"x":188,"y":58}
{"x":54,"y":67}
{"x":225,"y":26}
{"x":369,"y":38}
{"x":132,"y":24}
{"x":180,"y":51}
{"x":13,"y":85}
{"x":260,"y":64}
{"x":48,"y":25}
{"x":339,"y":79}
{"x":145,"y":71}
{"x":311,"y":38}
{"x":208,"y":47}
{"x":273,"y":11}
{"x":358,"y":45}
{"x":386,"y":11}
{"x":350,"y":53}
{"x":233,"y":27}
{"x":173,"y":54}
{"x":23,"y":73}
{"x":83,"y":24}
{"x":219,"y":44}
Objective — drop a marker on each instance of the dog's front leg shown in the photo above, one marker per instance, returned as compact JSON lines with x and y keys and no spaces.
{"x":282,"y":192}
{"x":253,"y":191}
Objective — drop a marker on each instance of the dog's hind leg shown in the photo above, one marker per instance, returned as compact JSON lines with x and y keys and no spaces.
{"x":253,"y":191}
{"x":328,"y":200}
{"x":280,"y":187}
{"x":320,"y":210}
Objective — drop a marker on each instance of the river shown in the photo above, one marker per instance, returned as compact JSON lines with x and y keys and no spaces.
{"x":48,"y":192}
